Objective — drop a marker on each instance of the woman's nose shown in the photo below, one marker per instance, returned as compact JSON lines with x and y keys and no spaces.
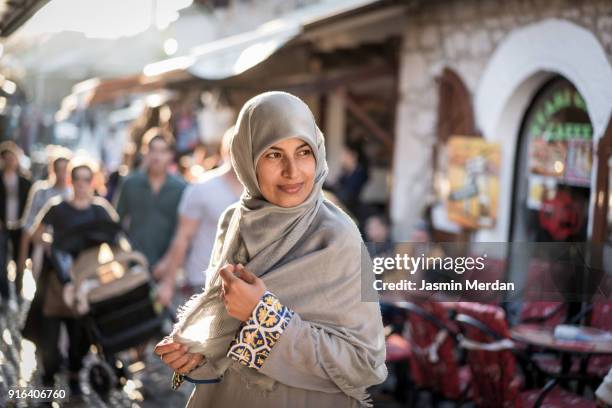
{"x":289,"y":168}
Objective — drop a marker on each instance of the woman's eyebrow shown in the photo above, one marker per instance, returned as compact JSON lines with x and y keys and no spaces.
{"x":281,"y":150}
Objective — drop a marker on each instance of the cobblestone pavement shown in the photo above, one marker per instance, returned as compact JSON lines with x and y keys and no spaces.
{"x":148,"y":384}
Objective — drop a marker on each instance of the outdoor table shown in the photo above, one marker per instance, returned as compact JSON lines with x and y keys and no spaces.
{"x":599,"y":341}
{"x":595,"y":341}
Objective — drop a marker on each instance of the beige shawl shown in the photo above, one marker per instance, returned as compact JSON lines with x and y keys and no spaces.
{"x":310,"y":256}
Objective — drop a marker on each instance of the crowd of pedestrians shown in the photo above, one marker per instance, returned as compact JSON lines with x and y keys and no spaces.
{"x":163,"y":216}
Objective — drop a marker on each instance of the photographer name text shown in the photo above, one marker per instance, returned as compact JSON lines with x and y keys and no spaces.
{"x":452,"y":286}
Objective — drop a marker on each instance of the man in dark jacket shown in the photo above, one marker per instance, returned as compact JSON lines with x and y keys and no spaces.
{"x":14,"y":190}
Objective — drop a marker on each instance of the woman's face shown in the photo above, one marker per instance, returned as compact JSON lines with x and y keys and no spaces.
{"x":286,"y":172}
{"x":82,"y":182}
{"x":11,"y":162}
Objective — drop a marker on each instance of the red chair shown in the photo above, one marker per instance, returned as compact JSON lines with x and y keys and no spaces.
{"x":495,"y":379}
{"x":548,"y":314}
{"x":434,"y":365}
{"x":601,"y":318}
{"x":399,"y":354}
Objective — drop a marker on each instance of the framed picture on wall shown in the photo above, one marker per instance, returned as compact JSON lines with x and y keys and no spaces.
{"x":473,"y":178}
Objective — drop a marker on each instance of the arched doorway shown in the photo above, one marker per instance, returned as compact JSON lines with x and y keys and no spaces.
{"x":552,"y":175}
{"x":526,"y":60}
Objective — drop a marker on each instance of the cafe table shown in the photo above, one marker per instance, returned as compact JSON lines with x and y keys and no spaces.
{"x":590,"y":340}
{"x":587,"y":341}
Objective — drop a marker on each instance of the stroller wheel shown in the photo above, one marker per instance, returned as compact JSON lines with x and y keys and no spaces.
{"x":97,"y":378}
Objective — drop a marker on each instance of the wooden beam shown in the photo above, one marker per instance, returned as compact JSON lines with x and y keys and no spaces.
{"x":362,"y":116}
{"x":300,"y":84}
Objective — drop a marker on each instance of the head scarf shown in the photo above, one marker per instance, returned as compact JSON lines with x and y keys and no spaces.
{"x":264,"y":121}
{"x":279,"y":245}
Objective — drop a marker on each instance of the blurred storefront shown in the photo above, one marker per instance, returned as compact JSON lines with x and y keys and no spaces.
{"x":515,"y":76}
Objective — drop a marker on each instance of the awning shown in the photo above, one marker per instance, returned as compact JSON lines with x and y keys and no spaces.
{"x":95,"y":91}
{"x":234,"y":55}
{"x":13,"y":13}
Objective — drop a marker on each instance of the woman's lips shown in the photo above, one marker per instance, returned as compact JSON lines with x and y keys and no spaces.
{"x":291,"y":188}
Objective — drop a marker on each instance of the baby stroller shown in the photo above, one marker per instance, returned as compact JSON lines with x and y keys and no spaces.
{"x":114,"y":299}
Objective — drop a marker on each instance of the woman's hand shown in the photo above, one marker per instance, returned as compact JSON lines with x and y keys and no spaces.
{"x":241,"y":291}
{"x":176,"y":356}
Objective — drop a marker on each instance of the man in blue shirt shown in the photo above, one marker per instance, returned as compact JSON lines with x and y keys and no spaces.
{"x":148,"y":198}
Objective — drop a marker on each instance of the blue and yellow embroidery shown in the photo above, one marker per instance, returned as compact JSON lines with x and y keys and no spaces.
{"x":254,"y":341}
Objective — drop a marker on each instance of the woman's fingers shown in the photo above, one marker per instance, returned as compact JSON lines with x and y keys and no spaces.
{"x":245,"y":274}
{"x":241,"y":290}
{"x":227,"y":274}
{"x":171,"y":357}
{"x":166,"y":346}
{"x":176,"y":356}
{"x":191,"y":364}
{"x":180,"y":361}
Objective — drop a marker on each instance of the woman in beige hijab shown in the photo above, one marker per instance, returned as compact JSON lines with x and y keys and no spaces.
{"x":291,"y":327}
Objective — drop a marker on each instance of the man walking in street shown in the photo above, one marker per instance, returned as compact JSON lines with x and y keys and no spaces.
{"x":148,"y":198}
{"x":14,"y":189}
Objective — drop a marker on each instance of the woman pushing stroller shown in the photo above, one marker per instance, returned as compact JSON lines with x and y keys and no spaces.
{"x":56,"y":220}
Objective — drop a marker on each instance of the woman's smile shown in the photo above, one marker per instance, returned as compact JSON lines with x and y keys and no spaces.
{"x":291,"y":188}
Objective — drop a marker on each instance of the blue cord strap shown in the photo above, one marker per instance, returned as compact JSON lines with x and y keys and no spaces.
{"x":178,"y":379}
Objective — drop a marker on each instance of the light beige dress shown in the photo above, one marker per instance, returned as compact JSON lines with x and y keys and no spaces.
{"x":233,"y":391}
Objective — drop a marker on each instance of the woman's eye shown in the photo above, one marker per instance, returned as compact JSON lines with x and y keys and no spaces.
{"x":306,"y":152}
{"x":273,"y":155}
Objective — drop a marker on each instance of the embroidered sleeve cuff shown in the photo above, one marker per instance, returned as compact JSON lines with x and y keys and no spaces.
{"x":257,"y":336}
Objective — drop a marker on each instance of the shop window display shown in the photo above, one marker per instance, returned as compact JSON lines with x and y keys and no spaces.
{"x":553,"y":174}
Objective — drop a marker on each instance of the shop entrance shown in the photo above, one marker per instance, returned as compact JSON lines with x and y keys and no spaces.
{"x":552,"y":175}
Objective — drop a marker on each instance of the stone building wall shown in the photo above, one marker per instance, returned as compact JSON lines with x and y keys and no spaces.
{"x":461,"y":35}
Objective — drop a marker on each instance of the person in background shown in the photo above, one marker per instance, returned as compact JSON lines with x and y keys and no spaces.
{"x":147,"y":200}
{"x":353,"y":177}
{"x":59,"y":217}
{"x":115,"y":178}
{"x":378,"y":235}
{"x":14,"y":189}
{"x":42,"y":191}
{"x":199,"y":211}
